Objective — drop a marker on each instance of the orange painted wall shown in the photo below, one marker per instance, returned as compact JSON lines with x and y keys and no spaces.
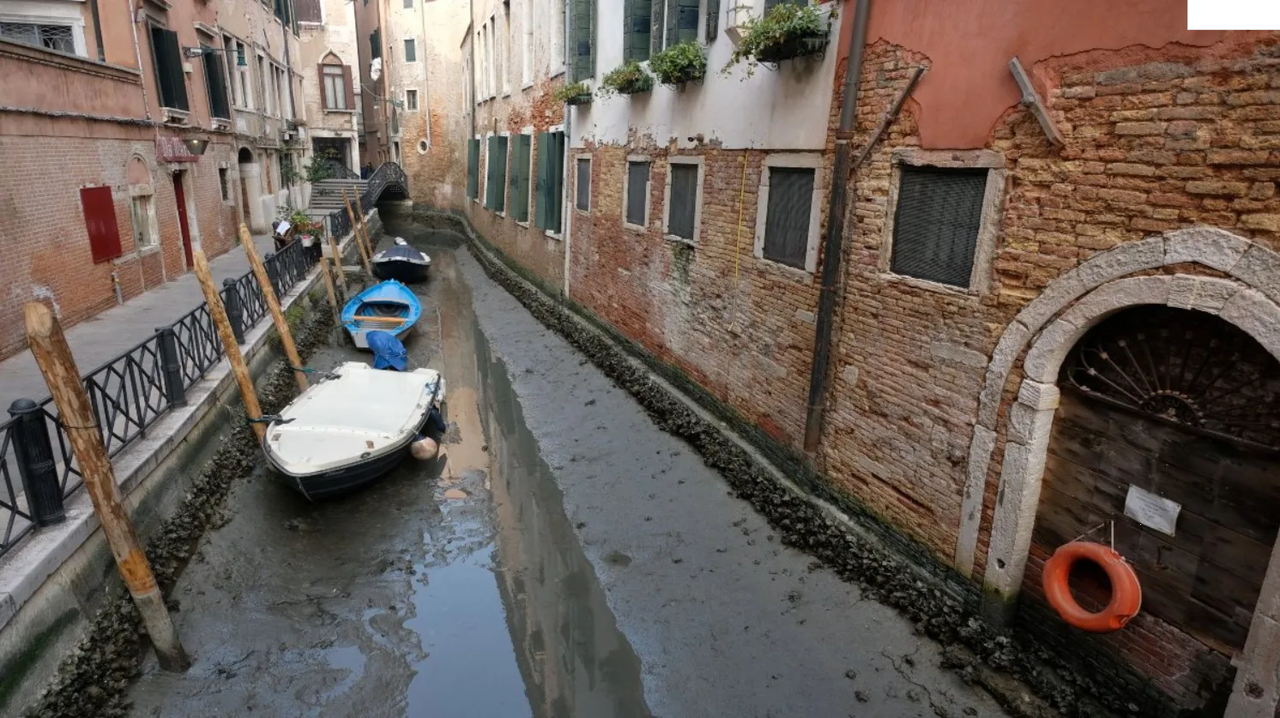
{"x":969,"y":44}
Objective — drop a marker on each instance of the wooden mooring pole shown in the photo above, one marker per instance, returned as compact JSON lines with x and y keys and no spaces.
{"x":364,"y":228}
{"x":49,"y":346}
{"x":337,"y":263}
{"x":355,"y":230}
{"x":273,"y":304}
{"x":238,"y":367}
{"x":330,"y":289}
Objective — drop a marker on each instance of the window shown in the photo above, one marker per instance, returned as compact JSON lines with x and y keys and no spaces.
{"x":637,"y":193}
{"x":550,"y":181}
{"x":142,"y":215}
{"x":408,"y":3}
{"x":263,"y":82}
{"x":335,"y":87}
{"x":582,"y":56}
{"x":652,"y":31}
{"x":495,"y":181}
{"x":473,"y":168}
{"x":526,"y":54}
{"x":423,"y":147}
{"x":637,"y":18}
{"x":410,"y":50}
{"x":937,"y":221}
{"x":684,"y":198}
{"x":520,"y":156}
{"x":557,"y":38}
{"x":411,"y":100}
{"x":216,"y":84}
{"x":224,"y":183}
{"x":788,"y":214}
{"x":375,"y":44}
{"x":50,"y":37}
{"x":100,"y":223}
{"x":504,"y":48}
{"x":583,"y":184}
{"x":169,"y":75}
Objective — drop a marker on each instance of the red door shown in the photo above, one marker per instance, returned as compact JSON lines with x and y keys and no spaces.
{"x":182,"y":217}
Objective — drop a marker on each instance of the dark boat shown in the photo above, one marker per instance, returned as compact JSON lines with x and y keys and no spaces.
{"x":401,"y":263}
{"x":350,"y":428}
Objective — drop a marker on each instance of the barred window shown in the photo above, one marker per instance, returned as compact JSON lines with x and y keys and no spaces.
{"x":936,"y":223}
{"x":786,"y":229}
{"x":584,"y":184}
{"x":638,"y":193}
{"x":682,"y":201}
{"x":50,"y":37}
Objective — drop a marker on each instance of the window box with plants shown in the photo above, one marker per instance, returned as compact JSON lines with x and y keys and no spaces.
{"x":678,"y":64}
{"x":574,"y":93}
{"x":786,"y":31}
{"x":627,"y":79}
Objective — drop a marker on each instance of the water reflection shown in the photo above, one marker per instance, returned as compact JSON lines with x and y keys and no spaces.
{"x":574,"y":660}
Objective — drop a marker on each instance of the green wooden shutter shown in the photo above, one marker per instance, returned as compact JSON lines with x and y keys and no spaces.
{"x":555,"y":170}
{"x":491,"y":165}
{"x":686,"y":21}
{"x":657,"y":25}
{"x":582,"y":28}
{"x":543,"y":187}
{"x":473,"y":168}
{"x":520,"y":178}
{"x":500,"y":204}
{"x":635,"y":30}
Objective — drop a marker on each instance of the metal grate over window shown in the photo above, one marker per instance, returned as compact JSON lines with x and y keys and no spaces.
{"x":637,"y":193}
{"x":786,"y":228}
{"x":684,"y":200}
{"x":50,"y":37}
{"x":935,"y":226}
{"x":584,"y":184}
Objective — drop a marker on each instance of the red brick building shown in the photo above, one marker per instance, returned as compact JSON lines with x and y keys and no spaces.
{"x":1000,"y":257}
{"x":102,"y":198}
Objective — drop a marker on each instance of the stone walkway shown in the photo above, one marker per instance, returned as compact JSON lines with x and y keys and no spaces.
{"x":104,"y":336}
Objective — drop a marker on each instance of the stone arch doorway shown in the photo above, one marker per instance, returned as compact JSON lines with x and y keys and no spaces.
{"x":251,"y":190}
{"x":1176,"y":413}
{"x":1048,"y":329}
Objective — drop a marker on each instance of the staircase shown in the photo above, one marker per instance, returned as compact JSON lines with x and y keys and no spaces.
{"x":326,"y":195}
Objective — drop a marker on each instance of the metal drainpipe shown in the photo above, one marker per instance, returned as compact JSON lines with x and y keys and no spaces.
{"x":834,"y":244}
{"x":137,"y":52}
{"x":566,"y":221}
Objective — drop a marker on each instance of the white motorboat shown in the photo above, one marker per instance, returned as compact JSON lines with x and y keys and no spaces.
{"x":350,"y":428}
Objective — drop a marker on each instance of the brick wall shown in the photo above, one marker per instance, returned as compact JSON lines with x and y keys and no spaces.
{"x":1156,"y":139}
{"x":47,"y":252}
{"x":532,"y":107}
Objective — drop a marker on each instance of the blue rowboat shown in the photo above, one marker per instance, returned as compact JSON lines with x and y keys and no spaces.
{"x":386,"y":306}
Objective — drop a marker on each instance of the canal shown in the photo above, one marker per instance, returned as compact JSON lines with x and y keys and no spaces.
{"x":563,"y":557}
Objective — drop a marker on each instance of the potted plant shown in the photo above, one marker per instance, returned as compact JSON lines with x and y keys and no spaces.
{"x":575,"y":93}
{"x":306,"y":230}
{"x":679,"y":64}
{"x":627,"y":79}
{"x":786,"y":31}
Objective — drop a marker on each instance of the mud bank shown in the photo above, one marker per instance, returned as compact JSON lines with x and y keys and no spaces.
{"x":92,"y":680}
{"x":943,"y":608}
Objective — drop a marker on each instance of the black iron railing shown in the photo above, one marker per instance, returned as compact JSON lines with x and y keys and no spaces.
{"x":387,"y":174}
{"x":128,"y":394}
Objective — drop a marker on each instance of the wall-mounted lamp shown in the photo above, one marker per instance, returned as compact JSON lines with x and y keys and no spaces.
{"x":200,"y":51}
{"x":196,"y":147}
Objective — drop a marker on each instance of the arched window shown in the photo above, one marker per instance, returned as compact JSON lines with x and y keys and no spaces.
{"x":1184,"y":367}
{"x":335,"y":85}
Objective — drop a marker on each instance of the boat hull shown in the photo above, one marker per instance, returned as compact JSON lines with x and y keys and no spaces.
{"x":345,"y":479}
{"x":401,"y":271}
{"x":339,"y":482}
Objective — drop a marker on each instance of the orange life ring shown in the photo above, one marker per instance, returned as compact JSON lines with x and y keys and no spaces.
{"x":1126,"y":592}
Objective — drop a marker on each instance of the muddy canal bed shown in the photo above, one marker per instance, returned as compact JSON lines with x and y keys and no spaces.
{"x":564,"y":557}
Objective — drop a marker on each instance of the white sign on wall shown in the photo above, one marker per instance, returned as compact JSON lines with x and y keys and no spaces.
{"x":1152,"y":510}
